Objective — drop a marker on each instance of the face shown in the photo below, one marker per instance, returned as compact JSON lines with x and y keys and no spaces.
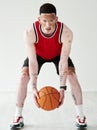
{"x":48,"y":22}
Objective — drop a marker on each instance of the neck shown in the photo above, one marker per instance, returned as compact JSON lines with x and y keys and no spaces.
{"x":49,"y":35}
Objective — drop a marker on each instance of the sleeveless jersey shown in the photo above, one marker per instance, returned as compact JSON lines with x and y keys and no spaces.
{"x":48,"y":47}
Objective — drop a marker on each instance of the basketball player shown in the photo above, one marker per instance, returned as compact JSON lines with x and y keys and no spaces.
{"x":48,"y":41}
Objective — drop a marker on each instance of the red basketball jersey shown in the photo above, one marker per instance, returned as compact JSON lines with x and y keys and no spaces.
{"x":48,"y":47}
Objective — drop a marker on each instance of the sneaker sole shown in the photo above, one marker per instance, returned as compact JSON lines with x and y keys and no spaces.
{"x":17,"y":127}
{"x":81,"y":126}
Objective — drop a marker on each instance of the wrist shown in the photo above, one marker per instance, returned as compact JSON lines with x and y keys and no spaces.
{"x":63,"y":87}
{"x":34,"y":88}
{"x":34,"y":85}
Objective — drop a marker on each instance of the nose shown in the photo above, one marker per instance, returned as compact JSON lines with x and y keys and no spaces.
{"x":48,"y":24}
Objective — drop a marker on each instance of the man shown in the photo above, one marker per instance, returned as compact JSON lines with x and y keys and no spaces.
{"x":48,"y":41}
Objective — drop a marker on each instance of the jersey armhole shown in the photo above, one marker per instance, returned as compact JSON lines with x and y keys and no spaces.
{"x":61,"y":30}
{"x":35,"y":33}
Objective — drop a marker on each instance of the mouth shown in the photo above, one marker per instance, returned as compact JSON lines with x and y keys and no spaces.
{"x":48,"y":29}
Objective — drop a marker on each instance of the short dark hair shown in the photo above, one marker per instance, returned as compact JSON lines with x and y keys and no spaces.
{"x":47,"y":8}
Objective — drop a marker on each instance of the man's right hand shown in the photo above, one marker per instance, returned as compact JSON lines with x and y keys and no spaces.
{"x":35,"y":96}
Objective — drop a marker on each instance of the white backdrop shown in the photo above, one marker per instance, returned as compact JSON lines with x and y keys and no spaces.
{"x":17,"y":15}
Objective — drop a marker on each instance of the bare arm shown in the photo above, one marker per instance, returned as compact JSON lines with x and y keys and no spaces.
{"x":63,"y":64}
{"x":33,"y":64}
{"x":66,"y":47}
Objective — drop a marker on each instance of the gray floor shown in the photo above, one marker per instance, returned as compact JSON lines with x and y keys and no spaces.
{"x":62,"y":118}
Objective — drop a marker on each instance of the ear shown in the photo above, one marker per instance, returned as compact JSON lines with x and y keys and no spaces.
{"x":39,"y":19}
{"x":56,"y":18}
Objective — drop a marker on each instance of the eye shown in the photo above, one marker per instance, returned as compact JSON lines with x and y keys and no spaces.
{"x":44,"y":20}
{"x":51,"y":20}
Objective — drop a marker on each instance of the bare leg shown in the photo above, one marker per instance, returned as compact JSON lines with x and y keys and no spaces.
{"x":77,"y":96}
{"x":75,"y":87}
{"x":22,"y":90}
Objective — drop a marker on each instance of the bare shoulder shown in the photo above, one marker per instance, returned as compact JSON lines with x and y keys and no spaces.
{"x":66,"y":29}
{"x":29,"y":34}
{"x":67,"y":34}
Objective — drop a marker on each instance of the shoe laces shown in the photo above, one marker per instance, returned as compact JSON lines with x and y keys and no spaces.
{"x":17,"y":119}
{"x":81,"y":120}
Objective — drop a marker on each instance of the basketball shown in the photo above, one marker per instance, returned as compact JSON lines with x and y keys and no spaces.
{"x":48,"y":98}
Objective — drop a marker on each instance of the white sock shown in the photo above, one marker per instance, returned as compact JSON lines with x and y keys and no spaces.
{"x":18,"y":111}
{"x":79,"y":110}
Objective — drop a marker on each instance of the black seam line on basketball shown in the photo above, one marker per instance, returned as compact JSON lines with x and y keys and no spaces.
{"x":55,"y":97}
{"x":50,"y":98}
{"x":44,"y":100}
{"x":48,"y":94}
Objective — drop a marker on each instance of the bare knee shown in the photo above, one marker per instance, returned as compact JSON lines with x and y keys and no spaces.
{"x":71,"y":72}
{"x":25,"y":75}
{"x":71,"y":75}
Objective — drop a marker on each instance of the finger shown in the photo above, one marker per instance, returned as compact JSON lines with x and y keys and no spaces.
{"x":59,"y":105}
{"x":37,"y":95}
{"x":61,"y":100}
{"x":36,"y":103}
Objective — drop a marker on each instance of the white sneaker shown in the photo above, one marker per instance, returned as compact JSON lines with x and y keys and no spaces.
{"x":81,"y":123}
{"x":17,"y":123}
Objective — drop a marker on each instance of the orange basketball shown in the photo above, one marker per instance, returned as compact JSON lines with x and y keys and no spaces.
{"x":49,"y":98}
